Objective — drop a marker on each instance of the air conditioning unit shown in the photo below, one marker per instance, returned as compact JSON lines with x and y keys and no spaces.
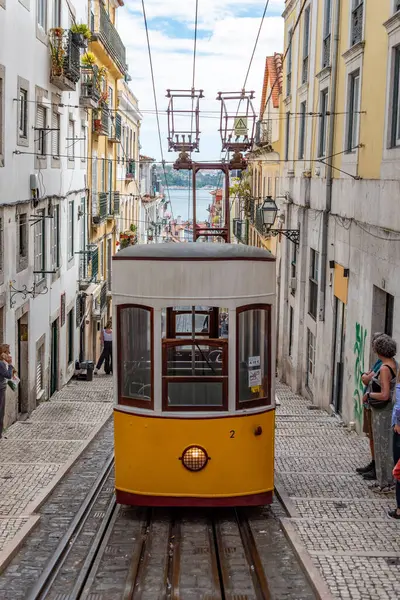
{"x":293,"y":284}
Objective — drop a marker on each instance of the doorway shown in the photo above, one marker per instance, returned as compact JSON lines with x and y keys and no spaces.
{"x":54,"y":358}
{"x":338,"y":358}
{"x":23,"y":362}
{"x":382,"y":314}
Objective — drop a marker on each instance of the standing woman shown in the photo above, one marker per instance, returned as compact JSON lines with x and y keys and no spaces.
{"x":106,"y":355}
{"x":6,"y":372}
{"x":380,"y":400}
{"x":395,"y":513}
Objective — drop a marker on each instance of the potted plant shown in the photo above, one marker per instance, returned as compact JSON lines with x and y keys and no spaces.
{"x":96,"y":121}
{"x":133,"y":228}
{"x":57,"y":51}
{"x":81,"y":34}
{"x":88,"y":59}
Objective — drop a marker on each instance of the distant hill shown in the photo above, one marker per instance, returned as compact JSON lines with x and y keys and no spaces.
{"x":181,"y":178}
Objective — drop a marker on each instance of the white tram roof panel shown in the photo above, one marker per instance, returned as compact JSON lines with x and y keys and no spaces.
{"x":194,"y":251}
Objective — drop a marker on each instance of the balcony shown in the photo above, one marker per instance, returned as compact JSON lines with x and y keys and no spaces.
{"x":115,"y":129}
{"x":65,"y":70}
{"x":103,"y":31}
{"x":100,"y":208}
{"x":103,"y":297}
{"x":113,"y":204}
{"x":130,"y":169}
{"x":264,"y":133}
{"x":88,"y":266}
{"x":101,"y":121}
{"x":357,"y":18}
{"x":90,"y":88}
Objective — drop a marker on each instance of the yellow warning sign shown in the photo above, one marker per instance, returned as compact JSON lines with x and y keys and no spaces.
{"x":240,"y":126}
{"x":255,"y":389}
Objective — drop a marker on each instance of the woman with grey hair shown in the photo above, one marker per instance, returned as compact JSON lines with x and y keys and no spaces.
{"x":380,"y":401}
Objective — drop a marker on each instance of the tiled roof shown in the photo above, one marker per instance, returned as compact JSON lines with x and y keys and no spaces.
{"x":273,"y":77}
{"x":146,"y":158}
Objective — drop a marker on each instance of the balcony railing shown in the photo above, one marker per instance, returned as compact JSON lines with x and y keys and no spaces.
{"x":90,"y":89}
{"x":264,"y":133}
{"x":113,"y":204}
{"x":64,"y":60}
{"x":240,"y":230}
{"x":103,"y":296}
{"x":130,"y":169}
{"x":101,"y":120}
{"x":115,"y":129}
{"x":88,"y":265}
{"x":104,"y":31}
{"x":326,"y":51}
{"x":357,"y":19}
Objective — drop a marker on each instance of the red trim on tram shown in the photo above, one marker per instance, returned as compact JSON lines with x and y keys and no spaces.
{"x":199,"y":418}
{"x":131,"y":499}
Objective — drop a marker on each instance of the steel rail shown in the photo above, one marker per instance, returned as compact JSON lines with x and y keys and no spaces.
{"x":51,"y":570}
{"x":250,"y":548}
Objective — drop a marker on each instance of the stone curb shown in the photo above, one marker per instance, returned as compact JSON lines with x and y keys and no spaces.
{"x":316,"y":581}
{"x":11,"y":549}
{"x":285,"y":499}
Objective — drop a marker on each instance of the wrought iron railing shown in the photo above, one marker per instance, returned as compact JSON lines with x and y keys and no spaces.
{"x":357,"y":19}
{"x":115,"y":127}
{"x":100,"y":120}
{"x":89,"y":263}
{"x":326,"y":51}
{"x":64,"y":59}
{"x":103,"y":296}
{"x":240,"y":230}
{"x":90,"y":83}
{"x":104,"y":30}
{"x":130,"y":169}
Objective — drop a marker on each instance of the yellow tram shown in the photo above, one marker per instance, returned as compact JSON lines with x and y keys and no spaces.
{"x":194,"y":331}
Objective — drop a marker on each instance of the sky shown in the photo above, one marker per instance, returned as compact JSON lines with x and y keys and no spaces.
{"x":227,"y":31}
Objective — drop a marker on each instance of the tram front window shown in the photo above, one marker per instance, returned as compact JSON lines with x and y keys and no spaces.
{"x":135,"y":348}
{"x":254,"y":368}
{"x":195,"y":374}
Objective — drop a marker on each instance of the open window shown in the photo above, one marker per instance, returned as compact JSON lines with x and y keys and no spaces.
{"x":195,"y":358}
{"x":253,"y":365}
{"x":135,"y":356}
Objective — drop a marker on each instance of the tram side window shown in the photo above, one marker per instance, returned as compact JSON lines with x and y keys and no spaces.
{"x":254,"y":356}
{"x":135,"y":356}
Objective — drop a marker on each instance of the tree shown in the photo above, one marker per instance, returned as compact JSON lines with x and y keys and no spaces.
{"x":241,"y":189}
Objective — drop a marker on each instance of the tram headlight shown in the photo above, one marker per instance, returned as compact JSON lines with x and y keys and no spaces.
{"x":194,"y":458}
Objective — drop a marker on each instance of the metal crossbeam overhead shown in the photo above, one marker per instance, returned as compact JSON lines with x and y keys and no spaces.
{"x":237,"y":121}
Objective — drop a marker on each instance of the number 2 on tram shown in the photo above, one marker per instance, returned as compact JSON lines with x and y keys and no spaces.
{"x":195,"y":353}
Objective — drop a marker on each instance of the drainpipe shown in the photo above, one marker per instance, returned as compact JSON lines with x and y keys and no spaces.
{"x":329,"y":180}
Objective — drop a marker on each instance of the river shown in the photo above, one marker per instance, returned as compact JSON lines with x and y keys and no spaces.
{"x":179,"y":200}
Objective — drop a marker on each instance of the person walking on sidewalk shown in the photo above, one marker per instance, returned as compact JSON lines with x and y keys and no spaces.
{"x":368,"y":472}
{"x":395,"y":513}
{"x":380,"y":400}
{"x":106,"y":355}
{"x":6,"y":372}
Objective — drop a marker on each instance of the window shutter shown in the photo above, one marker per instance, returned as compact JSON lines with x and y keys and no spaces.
{"x":41,"y":117}
{"x":55,"y":135}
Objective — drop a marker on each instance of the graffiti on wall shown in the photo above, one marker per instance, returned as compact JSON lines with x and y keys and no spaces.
{"x":359,"y":351}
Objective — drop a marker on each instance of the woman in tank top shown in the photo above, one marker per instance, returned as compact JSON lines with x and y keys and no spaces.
{"x":106,"y":355}
{"x":382,"y":389}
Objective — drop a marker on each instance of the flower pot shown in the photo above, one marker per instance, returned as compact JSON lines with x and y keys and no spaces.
{"x":79,"y":40}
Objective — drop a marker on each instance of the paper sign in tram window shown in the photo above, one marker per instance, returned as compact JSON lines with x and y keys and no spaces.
{"x":254,"y":361}
{"x":255,"y":378}
{"x":255,"y":389}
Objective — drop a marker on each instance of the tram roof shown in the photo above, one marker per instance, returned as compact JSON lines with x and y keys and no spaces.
{"x":193,"y":251}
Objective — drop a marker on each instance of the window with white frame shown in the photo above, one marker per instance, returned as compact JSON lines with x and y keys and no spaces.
{"x":71,"y":139}
{"x":289,"y":64}
{"x":310,"y":359}
{"x":42,"y":13}
{"x":23,"y":113}
{"x":55,"y":238}
{"x":326,"y":43}
{"x":302,"y":129}
{"x":39,"y":245}
{"x":357,"y":21}
{"x":70,"y":239}
{"x":323,"y":103}
{"x":83,"y":143}
{"x":40,"y":132}
{"x":287,"y":133}
{"x":55,"y":133}
{"x":306,"y":44}
{"x":57,"y":13}
{"x":23,"y":236}
{"x":395,"y":106}
{"x":313,"y":284}
{"x":353,"y":116}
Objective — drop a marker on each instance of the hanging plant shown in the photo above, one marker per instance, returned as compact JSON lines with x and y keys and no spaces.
{"x":81,"y":29}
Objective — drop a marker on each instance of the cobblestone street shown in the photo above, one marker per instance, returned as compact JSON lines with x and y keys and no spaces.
{"x":35,"y":454}
{"x":334,"y":516}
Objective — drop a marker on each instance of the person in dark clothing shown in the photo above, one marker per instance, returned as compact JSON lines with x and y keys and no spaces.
{"x":6,"y":372}
{"x":395,"y":513}
{"x":106,"y":355}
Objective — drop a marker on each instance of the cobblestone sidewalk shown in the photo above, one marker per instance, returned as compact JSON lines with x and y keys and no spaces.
{"x":334,"y":516}
{"x":36,"y":453}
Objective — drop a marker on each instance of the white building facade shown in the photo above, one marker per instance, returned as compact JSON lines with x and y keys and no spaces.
{"x":43,"y":166}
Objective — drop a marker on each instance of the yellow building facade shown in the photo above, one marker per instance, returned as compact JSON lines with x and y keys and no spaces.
{"x":340,"y":177}
{"x":104,"y":67}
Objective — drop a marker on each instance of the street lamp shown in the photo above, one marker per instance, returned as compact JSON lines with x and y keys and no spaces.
{"x":269,"y":210}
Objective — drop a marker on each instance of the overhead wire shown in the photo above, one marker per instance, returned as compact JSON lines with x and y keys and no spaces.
{"x":193,"y":92}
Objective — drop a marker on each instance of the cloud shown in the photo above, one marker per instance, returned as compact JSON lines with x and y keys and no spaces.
{"x":223,"y":55}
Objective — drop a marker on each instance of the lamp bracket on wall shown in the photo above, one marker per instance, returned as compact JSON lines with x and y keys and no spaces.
{"x":24,"y":292}
{"x":293,"y":235}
